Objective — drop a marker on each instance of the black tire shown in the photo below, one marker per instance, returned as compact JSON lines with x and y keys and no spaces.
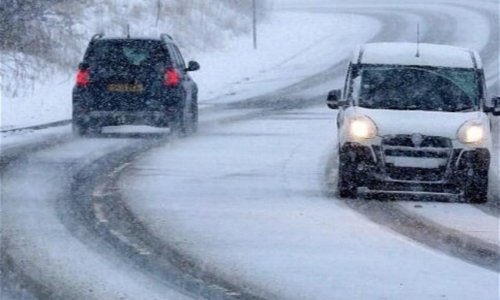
{"x":96,"y":129}
{"x":178,"y":126}
{"x":83,"y":129}
{"x":347,"y":180}
{"x":186,"y":125}
{"x":79,"y":129}
{"x":193,"y":122}
{"x":476,"y":190}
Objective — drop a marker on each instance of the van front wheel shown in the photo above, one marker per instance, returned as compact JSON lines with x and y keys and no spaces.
{"x":347,"y":182}
{"x":476,"y":190}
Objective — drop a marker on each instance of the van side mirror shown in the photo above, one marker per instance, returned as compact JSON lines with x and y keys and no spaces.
{"x":193,"y":66}
{"x":496,"y":106}
{"x":333,"y":99}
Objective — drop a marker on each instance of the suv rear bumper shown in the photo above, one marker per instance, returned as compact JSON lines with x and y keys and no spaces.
{"x":110,"y":118}
{"x":159,"y":111}
{"x":372,"y":172}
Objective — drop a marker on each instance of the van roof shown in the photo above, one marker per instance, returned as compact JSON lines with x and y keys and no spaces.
{"x":405,"y":54}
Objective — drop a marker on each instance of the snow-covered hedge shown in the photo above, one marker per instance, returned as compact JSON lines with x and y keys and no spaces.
{"x":37,"y":37}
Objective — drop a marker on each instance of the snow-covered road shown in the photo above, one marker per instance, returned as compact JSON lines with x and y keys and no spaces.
{"x":244,"y":207}
{"x":246,"y":201}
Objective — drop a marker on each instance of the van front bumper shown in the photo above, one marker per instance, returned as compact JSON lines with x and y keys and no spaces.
{"x":449,"y":173}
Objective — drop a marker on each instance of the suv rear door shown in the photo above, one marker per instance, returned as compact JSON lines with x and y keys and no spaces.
{"x":127,"y":74}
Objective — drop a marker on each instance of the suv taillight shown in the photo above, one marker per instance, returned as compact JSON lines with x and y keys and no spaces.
{"x":83,"y":77}
{"x":172,"y":77}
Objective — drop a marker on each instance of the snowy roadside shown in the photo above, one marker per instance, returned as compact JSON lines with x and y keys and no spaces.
{"x":291,"y":47}
{"x":36,"y":85}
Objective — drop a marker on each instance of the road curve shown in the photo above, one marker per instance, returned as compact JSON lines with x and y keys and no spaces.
{"x":476,"y":250}
{"x":85,"y":225}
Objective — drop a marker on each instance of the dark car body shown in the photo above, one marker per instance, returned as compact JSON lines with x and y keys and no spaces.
{"x":134,"y":81}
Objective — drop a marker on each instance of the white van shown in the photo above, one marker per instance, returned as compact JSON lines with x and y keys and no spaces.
{"x":413,"y":118}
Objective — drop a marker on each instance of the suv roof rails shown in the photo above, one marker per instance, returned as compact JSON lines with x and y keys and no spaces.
{"x":97,"y":36}
{"x":166,"y":37}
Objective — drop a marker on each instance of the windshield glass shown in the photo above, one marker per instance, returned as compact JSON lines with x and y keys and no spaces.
{"x":127,"y":53}
{"x":419,"y":88}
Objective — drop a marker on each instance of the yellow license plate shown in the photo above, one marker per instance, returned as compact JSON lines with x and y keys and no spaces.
{"x":125,"y":88}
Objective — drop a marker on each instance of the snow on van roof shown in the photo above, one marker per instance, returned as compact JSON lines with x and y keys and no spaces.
{"x":405,"y":54}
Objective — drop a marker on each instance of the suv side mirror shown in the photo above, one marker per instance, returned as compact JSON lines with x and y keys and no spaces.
{"x":83,"y":66}
{"x":333,"y":100}
{"x":193,"y":66}
{"x":496,"y":106}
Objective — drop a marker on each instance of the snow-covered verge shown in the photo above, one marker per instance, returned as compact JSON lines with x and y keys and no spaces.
{"x":36,"y":86}
{"x":291,"y":47}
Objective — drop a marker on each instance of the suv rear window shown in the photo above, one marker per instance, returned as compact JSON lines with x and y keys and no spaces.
{"x":141,"y":53}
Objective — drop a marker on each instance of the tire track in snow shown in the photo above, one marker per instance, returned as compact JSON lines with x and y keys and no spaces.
{"x":99,"y":205}
{"x":259,"y":102}
{"x":421,"y":230}
{"x":314,"y":80}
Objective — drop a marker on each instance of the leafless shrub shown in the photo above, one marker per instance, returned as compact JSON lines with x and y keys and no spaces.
{"x":49,"y":32}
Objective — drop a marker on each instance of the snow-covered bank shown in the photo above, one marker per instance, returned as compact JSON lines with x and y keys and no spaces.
{"x":291,"y":46}
{"x":36,"y":85}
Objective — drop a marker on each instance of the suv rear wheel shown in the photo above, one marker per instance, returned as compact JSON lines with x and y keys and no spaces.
{"x":180,"y":126}
{"x":186,"y":124}
{"x":85,"y":129}
{"x":193,"y":121}
{"x":79,"y":129}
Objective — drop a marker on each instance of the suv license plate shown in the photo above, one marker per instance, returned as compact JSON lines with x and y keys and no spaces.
{"x":125,"y":88}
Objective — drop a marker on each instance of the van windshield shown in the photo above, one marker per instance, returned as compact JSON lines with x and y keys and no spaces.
{"x":419,"y":88}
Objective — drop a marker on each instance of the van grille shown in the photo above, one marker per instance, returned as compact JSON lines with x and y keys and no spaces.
{"x":408,"y":141}
{"x":416,"y":157}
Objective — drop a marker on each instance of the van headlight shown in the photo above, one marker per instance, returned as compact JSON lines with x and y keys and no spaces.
{"x":362,"y":127}
{"x":471,"y":132}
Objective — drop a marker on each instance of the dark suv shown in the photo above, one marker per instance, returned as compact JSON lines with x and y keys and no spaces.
{"x":140,"y":81}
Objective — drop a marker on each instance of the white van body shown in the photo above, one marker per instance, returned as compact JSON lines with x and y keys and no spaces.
{"x":412,"y":119}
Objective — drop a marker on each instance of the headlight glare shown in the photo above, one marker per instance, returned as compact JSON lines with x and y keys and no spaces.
{"x":471,"y":133}
{"x":362,"y":128}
